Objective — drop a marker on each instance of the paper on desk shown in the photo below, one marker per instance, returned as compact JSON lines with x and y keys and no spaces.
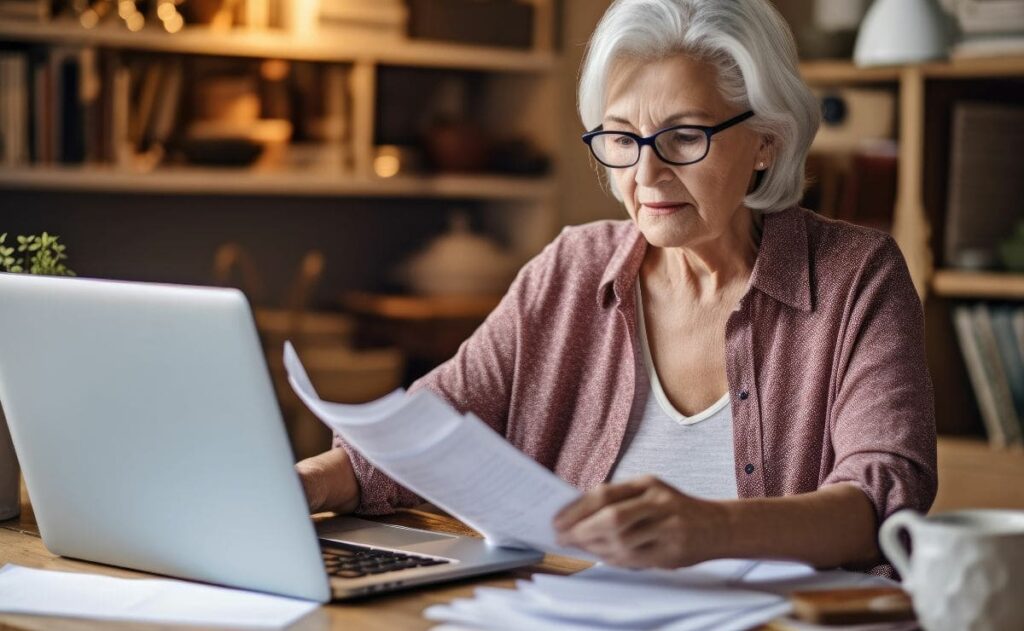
{"x":457,"y":462}
{"x":721,"y":594}
{"x":69,"y":594}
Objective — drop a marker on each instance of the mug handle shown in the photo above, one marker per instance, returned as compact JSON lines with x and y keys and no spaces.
{"x":889,"y":539}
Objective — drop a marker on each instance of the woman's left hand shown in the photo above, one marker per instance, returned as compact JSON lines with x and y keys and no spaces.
{"x":644,"y":523}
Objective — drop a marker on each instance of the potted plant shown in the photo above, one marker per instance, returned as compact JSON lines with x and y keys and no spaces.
{"x":30,"y":254}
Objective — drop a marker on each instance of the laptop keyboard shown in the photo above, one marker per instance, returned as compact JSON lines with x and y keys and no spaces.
{"x":345,"y":560}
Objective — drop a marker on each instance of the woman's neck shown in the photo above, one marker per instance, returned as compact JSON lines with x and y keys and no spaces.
{"x":711,"y":269}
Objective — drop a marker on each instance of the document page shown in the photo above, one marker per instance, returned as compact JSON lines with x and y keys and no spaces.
{"x":156,"y":601}
{"x":457,"y":462}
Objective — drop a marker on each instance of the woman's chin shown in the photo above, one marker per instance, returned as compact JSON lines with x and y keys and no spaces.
{"x":666,"y":231}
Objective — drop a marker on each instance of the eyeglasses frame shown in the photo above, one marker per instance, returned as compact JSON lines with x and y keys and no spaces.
{"x":643,"y":141}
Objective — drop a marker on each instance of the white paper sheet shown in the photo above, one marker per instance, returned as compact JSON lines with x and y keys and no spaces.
{"x":457,"y":462}
{"x":717,"y":595}
{"x":163,"y":601}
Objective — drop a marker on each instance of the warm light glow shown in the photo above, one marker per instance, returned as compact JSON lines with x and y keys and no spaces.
{"x":89,"y":18}
{"x":274,"y":69}
{"x":386,"y":165}
{"x":174,"y":23}
{"x":166,"y":11}
{"x":135,"y":21}
{"x":126,"y":8}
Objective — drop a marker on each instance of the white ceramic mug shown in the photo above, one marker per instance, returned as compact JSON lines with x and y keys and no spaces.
{"x":10,"y":474}
{"x":966,"y":570}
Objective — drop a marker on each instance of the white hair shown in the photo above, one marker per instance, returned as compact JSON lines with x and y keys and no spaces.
{"x":753,"y":50}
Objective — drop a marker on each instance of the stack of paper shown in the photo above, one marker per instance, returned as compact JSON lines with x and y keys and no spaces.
{"x":720,"y":595}
{"x":159,"y":601}
{"x":455,"y":461}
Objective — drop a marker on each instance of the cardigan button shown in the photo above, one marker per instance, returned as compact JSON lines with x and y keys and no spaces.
{"x":749,"y":468}
{"x":743,"y":397}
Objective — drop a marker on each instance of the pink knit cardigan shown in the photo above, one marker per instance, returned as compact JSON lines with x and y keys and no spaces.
{"x":824,"y":356}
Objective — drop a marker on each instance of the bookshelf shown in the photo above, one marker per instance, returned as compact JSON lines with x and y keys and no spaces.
{"x":913,"y":226}
{"x":978,"y":285}
{"x":282,"y":45}
{"x":971,"y":472}
{"x":515,"y":92}
{"x":292,"y":183}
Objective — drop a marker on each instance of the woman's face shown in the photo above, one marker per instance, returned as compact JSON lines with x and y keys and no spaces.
{"x":680,"y":206}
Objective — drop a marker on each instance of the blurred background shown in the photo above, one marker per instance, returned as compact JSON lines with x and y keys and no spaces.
{"x":373,"y":172}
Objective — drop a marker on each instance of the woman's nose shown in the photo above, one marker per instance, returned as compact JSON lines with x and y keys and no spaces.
{"x":650,"y":169}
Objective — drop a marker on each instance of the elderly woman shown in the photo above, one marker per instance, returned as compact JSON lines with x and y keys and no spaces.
{"x":723,"y":374}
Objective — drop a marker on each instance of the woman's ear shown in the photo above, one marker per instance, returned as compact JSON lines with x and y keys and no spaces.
{"x":765,"y":153}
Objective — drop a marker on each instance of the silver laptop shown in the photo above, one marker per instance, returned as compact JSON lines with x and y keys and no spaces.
{"x":146,"y":426}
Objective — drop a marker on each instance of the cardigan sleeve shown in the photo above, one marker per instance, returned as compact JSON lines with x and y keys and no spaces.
{"x":477,"y":379}
{"x":883,"y":419}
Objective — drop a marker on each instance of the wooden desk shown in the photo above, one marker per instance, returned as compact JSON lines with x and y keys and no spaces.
{"x":20,"y":544}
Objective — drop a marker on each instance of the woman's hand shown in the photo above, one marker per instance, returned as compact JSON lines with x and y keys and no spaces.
{"x":644,"y":523}
{"x":329,"y":482}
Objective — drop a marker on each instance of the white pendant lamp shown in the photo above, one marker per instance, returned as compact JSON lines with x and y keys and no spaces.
{"x":902,"y":31}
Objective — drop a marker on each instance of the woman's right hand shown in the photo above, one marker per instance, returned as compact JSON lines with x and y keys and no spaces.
{"x":329,"y":482}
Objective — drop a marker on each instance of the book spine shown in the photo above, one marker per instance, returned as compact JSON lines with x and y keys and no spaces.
{"x":1017,"y":321}
{"x":996,"y":375}
{"x":72,"y":145}
{"x":20,"y":106}
{"x":1009,"y":352}
{"x":6,"y":141}
{"x":963,"y":322}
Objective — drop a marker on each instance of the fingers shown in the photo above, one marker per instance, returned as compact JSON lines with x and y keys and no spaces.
{"x":596,"y":499}
{"x":612,"y":520}
{"x":307,"y":475}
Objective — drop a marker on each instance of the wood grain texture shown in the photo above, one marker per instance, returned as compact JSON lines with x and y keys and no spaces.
{"x":979,"y":285}
{"x":974,"y":475}
{"x":20,"y":543}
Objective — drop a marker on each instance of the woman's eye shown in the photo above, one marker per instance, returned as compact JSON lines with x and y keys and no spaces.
{"x":623,"y":141}
{"x":685,"y":138}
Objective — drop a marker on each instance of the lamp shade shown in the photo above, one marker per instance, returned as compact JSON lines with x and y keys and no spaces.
{"x":902,"y":31}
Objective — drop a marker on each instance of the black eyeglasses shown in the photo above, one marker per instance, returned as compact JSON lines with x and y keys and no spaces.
{"x":679,"y":145}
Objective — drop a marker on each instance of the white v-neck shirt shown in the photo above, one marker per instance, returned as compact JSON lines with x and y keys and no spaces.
{"x":692,"y":453}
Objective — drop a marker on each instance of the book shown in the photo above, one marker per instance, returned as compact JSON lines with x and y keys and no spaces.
{"x":1001,"y":432}
{"x":990,"y":16}
{"x":14,"y":109}
{"x":72,"y":139}
{"x":1017,"y":320}
{"x":30,"y":10}
{"x":986,"y":179}
{"x":996,"y":374}
{"x":982,"y":47}
{"x":1010,"y":353}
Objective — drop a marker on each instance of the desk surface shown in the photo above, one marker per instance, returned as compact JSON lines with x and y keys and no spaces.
{"x":20,"y":544}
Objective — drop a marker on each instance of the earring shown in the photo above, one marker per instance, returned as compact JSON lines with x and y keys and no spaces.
{"x":761,"y":166}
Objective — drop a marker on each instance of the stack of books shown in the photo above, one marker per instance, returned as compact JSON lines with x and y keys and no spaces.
{"x":14,"y":114}
{"x":65,"y":105}
{"x":31,"y":10}
{"x":992,"y":341}
{"x":990,"y":28}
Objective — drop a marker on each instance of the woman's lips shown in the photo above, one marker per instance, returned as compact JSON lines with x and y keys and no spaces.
{"x":662,"y":208}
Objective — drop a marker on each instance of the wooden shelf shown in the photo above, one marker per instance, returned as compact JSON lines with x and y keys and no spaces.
{"x":282,"y":45}
{"x":844,"y":72}
{"x":977,"y":68}
{"x":233,"y":181}
{"x":980,"y":285}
